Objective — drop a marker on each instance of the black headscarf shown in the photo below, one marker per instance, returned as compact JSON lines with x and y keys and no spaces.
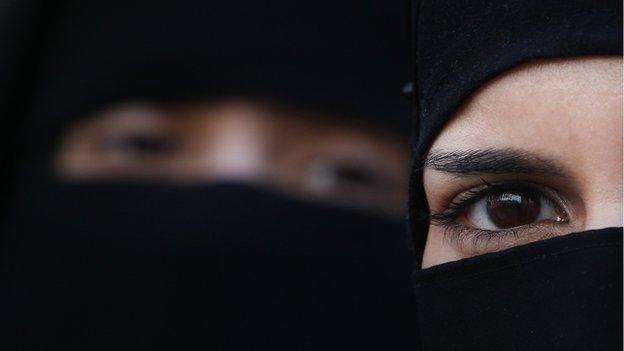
{"x":344,"y":58}
{"x":563,"y":293}
{"x":109,"y":265}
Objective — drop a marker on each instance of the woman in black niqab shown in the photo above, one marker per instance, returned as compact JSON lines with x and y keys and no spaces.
{"x":515,"y":208}
{"x":116,"y":265}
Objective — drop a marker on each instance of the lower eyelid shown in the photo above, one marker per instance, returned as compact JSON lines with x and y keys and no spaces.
{"x":472,"y":242}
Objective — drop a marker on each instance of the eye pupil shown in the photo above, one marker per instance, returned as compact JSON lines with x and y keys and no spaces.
{"x":512,"y":209}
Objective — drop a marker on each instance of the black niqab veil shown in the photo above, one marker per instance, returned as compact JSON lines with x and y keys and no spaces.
{"x":109,"y":265}
{"x":560,"y":294}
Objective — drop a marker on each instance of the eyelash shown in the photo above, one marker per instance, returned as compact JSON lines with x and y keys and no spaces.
{"x":458,"y":232}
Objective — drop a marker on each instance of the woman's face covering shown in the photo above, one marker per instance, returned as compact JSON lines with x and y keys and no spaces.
{"x":536,"y":153}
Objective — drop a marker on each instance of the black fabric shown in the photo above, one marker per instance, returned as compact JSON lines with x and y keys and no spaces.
{"x":22,"y":26}
{"x":344,"y":59}
{"x":224,"y":267}
{"x":459,"y":45}
{"x":559,"y":294}
{"x":134,"y":266}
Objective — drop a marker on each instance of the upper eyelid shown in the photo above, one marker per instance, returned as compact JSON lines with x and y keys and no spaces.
{"x":454,"y":207}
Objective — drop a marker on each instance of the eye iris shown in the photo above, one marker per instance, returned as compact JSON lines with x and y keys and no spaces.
{"x":512,"y":209}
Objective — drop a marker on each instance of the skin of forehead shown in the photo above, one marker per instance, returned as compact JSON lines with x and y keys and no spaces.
{"x":556,"y":108}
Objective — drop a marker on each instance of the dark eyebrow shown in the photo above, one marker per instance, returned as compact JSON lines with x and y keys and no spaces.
{"x":491,"y":161}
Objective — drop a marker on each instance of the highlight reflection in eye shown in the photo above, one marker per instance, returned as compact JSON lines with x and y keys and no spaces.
{"x":502,"y":210}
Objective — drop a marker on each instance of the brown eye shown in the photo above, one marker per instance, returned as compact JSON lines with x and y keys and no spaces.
{"x":513,"y":209}
{"x":336,"y":176}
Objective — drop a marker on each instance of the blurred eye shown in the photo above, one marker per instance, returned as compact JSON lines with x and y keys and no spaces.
{"x":510,"y":209}
{"x":356,"y":183}
{"x":356,"y":169}
{"x":327,"y":175}
{"x":138,"y":145}
{"x":123,"y":142}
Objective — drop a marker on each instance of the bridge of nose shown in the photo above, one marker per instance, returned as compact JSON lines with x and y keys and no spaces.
{"x":231,"y":142}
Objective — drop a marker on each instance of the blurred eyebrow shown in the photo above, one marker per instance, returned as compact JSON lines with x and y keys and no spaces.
{"x":492,"y":161}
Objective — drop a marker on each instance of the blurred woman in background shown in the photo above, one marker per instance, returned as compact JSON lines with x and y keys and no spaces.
{"x":188,"y":174}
